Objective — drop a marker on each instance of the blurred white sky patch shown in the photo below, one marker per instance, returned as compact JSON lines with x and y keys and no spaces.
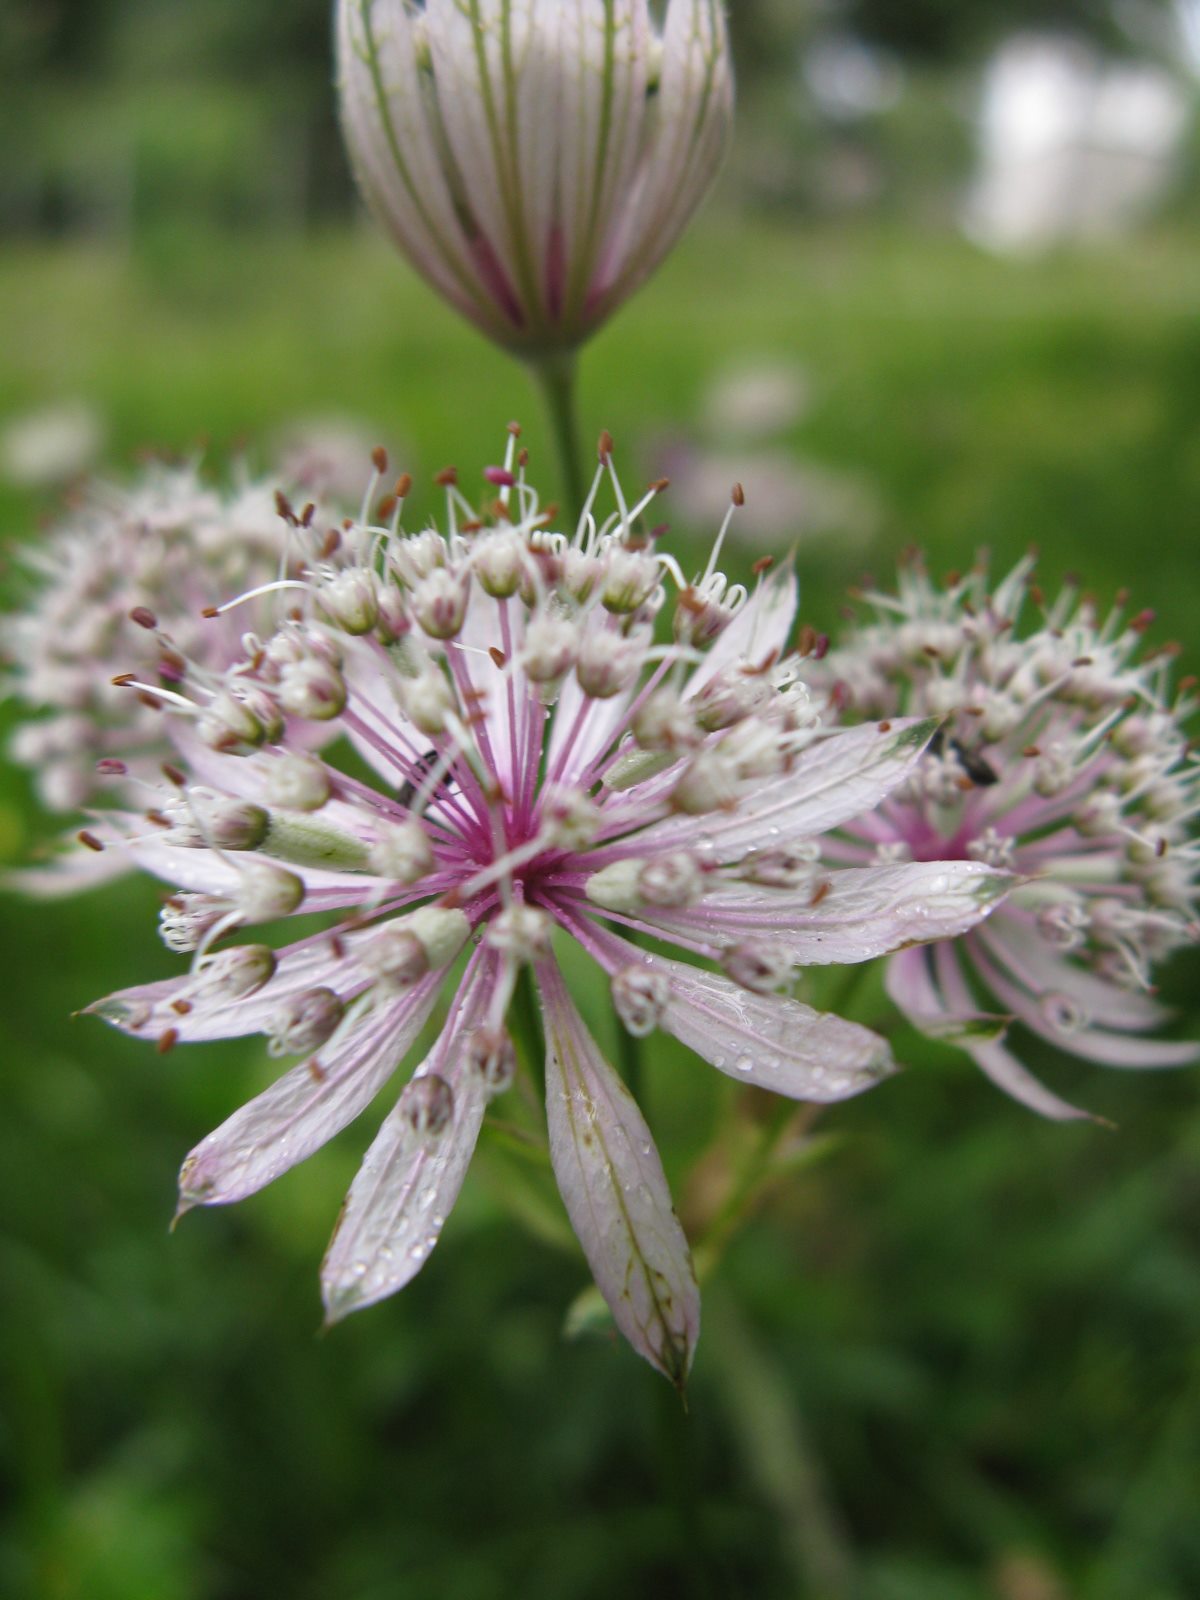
{"x":849,"y":78}
{"x":1072,"y":146}
{"x":1187,"y":14}
{"x":46,"y":448}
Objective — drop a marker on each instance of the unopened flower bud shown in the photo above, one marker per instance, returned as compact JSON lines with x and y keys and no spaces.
{"x":629,"y":580}
{"x":758,"y":964}
{"x":522,"y":932}
{"x":708,"y":783}
{"x":671,"y":881}
{"x":729,"y":697}
{"x":306,"y":1022}
{"x":1098,"y":815}
{"x":227,"y":724}
{"x":448,"y":100}
{"x":550,"y":648}
{"x":428,"y":1103}
{"x":396,"y":957}
{"x":228,"y":824}
{"x":439,"y":603}
{"x":428,"y":699}
{"x":700,"y":620}
{"x":401,"y":853}
{"x":297,"y":782}
{"x":491,"y":1054}
{"x":569,"y":820}
{"x":234,"y":974}
{"x":351,"y":600}
{"x":498,"y":561}
{"x":788,"y":867}
{"x":312,"y":689}
{"x":664,"y":722}
{"x":607,"y":663}
{"x":640,"y":999}
{"x":580,"y":574}
{"x":266,"y":892}
{"x":392,"y":619}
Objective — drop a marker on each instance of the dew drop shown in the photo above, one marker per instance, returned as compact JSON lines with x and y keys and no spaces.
{"x":746,"y":1063}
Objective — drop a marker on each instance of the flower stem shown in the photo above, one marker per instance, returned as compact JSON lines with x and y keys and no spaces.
{"x":555,"y":376}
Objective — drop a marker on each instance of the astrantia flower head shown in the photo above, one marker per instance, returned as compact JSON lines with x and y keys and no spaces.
{"x":534,"y":159}
{"x":1063,"y":759}
{"x":544,"y":771}
{"x":119,"y":588}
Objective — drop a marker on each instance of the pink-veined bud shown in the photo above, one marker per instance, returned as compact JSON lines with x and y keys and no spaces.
{"x":392,"y":617}
{"x":497,"y":562}
{"x":351,"y":600}
{"x":313,"y":689}
{"x":551,"y":644}
{"x":439,"y":603}
{"x":630,"y":578}
{"x":428,"y":699}
{"x":535,"y":163}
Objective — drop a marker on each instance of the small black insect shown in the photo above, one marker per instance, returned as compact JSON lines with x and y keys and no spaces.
{"x":421,"y":769}
{"x":976,"y":767}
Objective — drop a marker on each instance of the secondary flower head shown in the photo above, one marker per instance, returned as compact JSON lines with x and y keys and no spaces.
{"x":544,"y":770}
{"x":1062,"y":759}
{"x":120,"y":586}
{"x":534,"y":159}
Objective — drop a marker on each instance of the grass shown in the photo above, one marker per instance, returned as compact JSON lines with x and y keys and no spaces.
{"x":960,"y":1354}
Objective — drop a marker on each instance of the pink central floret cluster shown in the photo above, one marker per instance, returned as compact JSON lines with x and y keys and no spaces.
{"x":544,"y":761}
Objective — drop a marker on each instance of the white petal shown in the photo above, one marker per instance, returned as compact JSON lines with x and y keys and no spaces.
{"x":856,"y":915}
{"x":1127,"y":1010}
{"x":1109,"y":1049}
{"x":308,"y":964}
{"x":758,"y":633}
{"x":616,"y":1195}
{"x":305,"y":1108}
{"x":833,"y":780}
{"x":942,"y":1005}
{"x":768,"y":1040}
{"x":408,"y":1181}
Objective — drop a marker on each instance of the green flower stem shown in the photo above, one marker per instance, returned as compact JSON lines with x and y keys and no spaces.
{"x":757,"y":1173}
{"x":527,"y":1032}
{"x":555,"y":376}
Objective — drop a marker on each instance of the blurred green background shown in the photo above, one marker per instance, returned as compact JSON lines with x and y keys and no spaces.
{"x":956,"y":1357}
